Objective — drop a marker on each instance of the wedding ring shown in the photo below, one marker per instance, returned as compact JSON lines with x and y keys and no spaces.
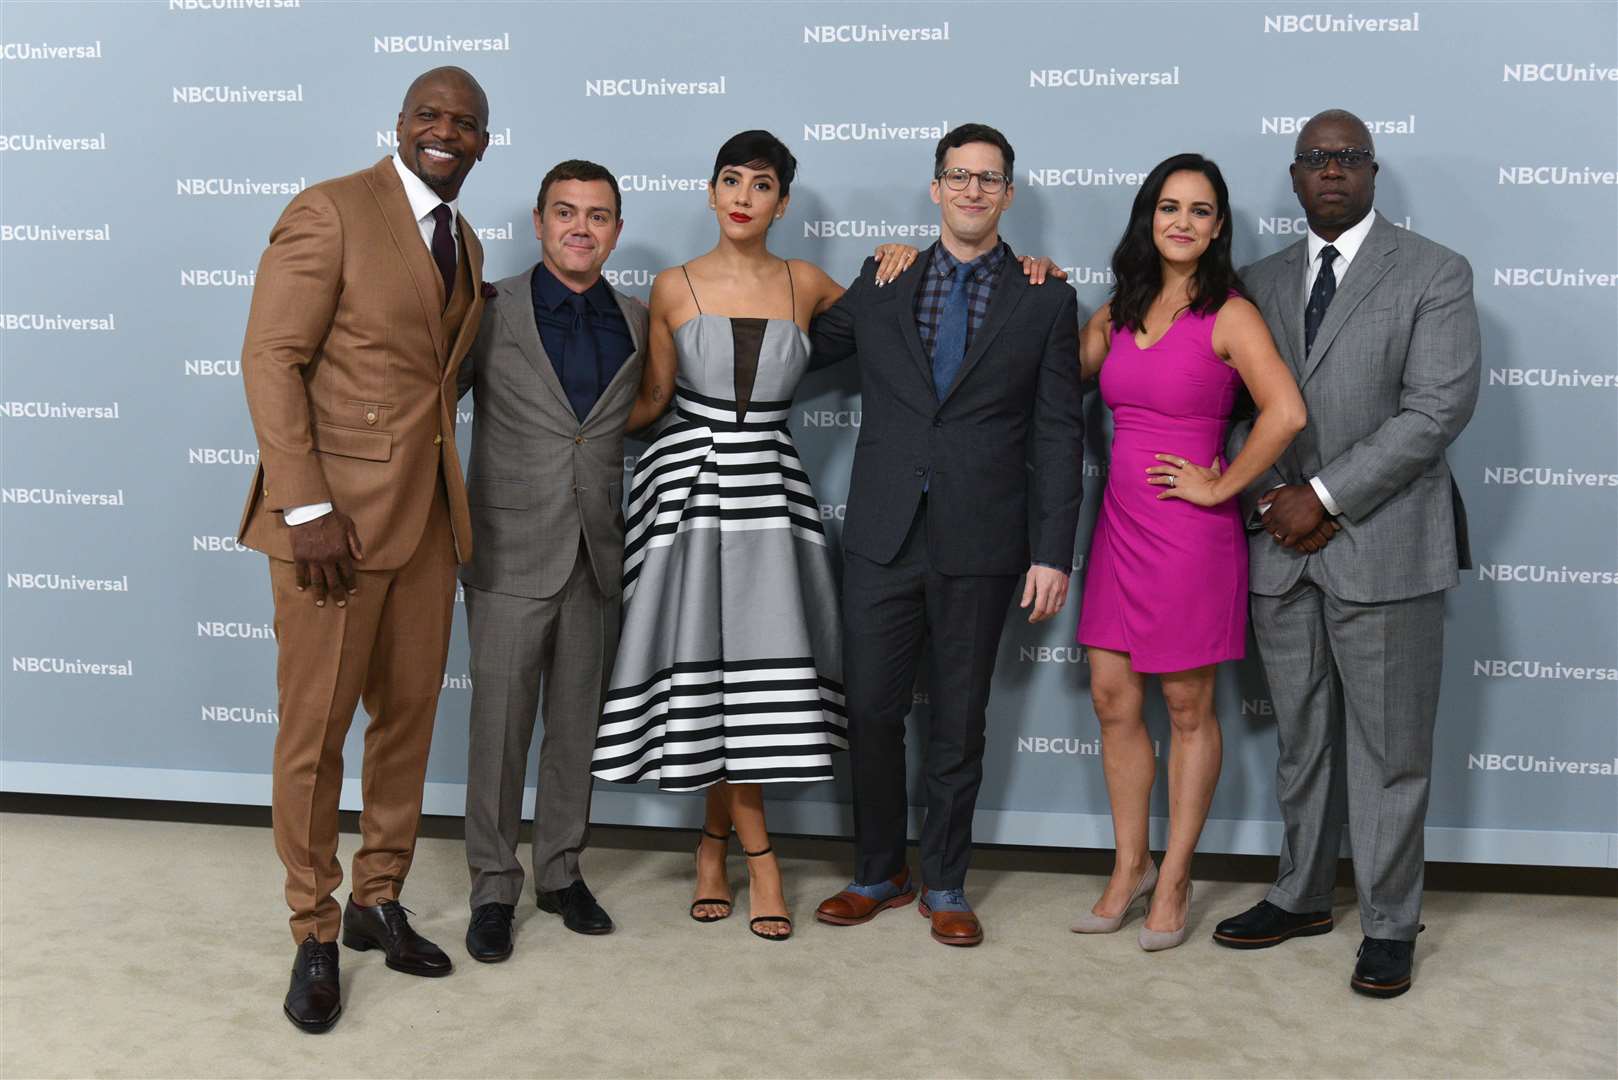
{"x":1173,"y":482}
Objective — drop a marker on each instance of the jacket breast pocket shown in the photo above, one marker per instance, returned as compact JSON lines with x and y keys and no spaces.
{"x":505,"y":494}
{"x":353,"y":442}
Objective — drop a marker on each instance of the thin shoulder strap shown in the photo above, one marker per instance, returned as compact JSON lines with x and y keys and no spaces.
{"x":693,"y":289}
{"x":792,"y":289}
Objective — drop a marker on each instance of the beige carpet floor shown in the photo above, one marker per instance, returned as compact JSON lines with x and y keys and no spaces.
{"x":157,"y":949}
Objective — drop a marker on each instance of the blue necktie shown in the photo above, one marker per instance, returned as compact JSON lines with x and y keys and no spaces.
{"x":1319,"y":298}
{"x":949,"y":347}
{"x":581,"y":379}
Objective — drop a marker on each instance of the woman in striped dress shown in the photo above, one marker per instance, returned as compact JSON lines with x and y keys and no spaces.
{"x":729,"y":666}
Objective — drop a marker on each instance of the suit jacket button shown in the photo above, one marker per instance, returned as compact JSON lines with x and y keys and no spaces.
{"x":937,"y":422}
{"x":920,"y":471}
{"x":370,"y":417}
{"x":438,"y":440}
{"x":579,"y":440}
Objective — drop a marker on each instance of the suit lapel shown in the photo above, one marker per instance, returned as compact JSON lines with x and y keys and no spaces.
{"x":626,"y":307}
{"x":1286,"y":291}
{"x":904,"y":302}
{"x":390,"y":197}
{"x":468,"y":329}
{"x":1373,"y":261}
{"x":516,"y":307}
{"x":1007,"y":295}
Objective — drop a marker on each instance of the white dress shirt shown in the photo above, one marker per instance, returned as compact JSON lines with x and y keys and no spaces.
{"x":1348,"y":245}
{"x":423,"y":201}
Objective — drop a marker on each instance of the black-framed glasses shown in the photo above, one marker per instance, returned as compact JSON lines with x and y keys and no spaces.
{"x":1351,"y":158}
{"x":989,"y":181}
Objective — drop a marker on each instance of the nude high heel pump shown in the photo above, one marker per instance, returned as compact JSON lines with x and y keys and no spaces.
{"x":1091,"y":923}
{"x":1158,"y":940}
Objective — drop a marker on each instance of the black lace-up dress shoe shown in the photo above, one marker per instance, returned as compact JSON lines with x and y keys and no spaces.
{"x":1383,"y":967}
{"x":1264,"y":924}
{"x":489,"y":934}
{"x":314,"y":1000}
{"x":384,"y":926}
{"x":578,"y":908}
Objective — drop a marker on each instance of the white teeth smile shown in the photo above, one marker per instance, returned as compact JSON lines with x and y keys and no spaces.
{"x":439,"y":154}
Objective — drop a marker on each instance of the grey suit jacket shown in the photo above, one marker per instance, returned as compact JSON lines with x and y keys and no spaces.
{"x":1390,"y":383}
{"x":539,"y":476}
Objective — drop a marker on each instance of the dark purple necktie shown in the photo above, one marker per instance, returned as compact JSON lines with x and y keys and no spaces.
{"x":444,"y":248}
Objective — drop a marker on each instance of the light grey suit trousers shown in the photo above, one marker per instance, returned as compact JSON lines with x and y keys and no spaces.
{"x":1352,"y":637}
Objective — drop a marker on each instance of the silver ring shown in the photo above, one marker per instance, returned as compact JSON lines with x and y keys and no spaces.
{"x":1173,"y":482}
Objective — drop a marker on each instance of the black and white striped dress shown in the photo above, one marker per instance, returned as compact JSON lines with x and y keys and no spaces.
{"x":729,"y":666}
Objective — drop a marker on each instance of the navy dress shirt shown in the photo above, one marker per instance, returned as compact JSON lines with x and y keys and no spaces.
{"x":555,"y":318}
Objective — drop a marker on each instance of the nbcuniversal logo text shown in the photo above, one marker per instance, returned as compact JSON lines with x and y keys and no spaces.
{"x":1544,"y":476}
{"x":1540,"y":574}
{"x":232,"y":186}
{"x":1556,"y":175}
{"x":239,"y":714}
{"x":1541,"y":669}
{"x":1291,"y":125}
{"x":870,"y":230}
{"x":881,"y":131}
{"x":882,"y":34}
{"x":1341,"y":24}
{"x":20,"y":50}
{"x":220,"y":455}
{"x":660,"y":87}
{"x":236,"y":631}
{"x":48,"y":144}
{"x":218,"y":279}
{"x":830,"y":418}
{"x":236,"y":95}
{"x":47,"y":234}
{"x":62,"y":665}
{"x":1553,"y":378}
{"x":1053,"y":654}
{"x":1085,"y":78}
{"x":1558,"y":72}
{"x":40,"y":320}
{"x":1299,"y":226}
{"x":1551,"y":277}
{"x":1533,"y":763}
{"x":430,"y":43}
{"x":22,"y":496}
{"x":1084,"y":177}
{"x":217,"y":544}
{"x":53,"y":582}
{"x":56,"y":410}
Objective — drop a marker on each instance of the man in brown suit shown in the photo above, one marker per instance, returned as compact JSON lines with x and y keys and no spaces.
{"x":367,"y":298}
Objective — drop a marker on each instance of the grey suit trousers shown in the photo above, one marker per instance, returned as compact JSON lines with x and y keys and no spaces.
{"x":564,"y":645}
{"x":1355,"y":688}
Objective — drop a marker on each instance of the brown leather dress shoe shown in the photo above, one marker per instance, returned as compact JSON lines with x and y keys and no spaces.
{"x":954,"y":927}
{"x":849,"y":908}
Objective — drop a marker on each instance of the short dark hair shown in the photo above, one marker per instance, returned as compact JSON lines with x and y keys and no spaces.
{"x":581,"y":170}
{"x":757,"y":149}
{"x":1137,"y":268}
{"x":971,"y":133}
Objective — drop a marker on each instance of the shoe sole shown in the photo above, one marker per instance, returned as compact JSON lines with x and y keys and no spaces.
{"x":1313,"y":929}
{"x":944,"y":939}
{"x":491,"y":958}
{"x":364,"y":945}
{"x":891,"y":902}
{"x":316,"y":1028}
{"x":1379,"y":990}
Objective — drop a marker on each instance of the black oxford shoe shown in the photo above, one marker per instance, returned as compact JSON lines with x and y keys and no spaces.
{"x":578,"y":908}
{"x":1264,"y":924}
{"x":489,"y":936}
{"x":314,"y":1000}
{"x":384,"y":926}
{"x":1383,"y":968}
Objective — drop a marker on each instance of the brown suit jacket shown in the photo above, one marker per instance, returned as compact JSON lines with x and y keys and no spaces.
{"x":350,"y":363}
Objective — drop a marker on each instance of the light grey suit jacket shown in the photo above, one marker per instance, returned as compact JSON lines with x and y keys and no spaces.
{"x":539,"y":476}
{"x":1390,"y":383}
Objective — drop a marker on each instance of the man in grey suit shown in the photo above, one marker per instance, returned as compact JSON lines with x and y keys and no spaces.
{"x":1355,"y":535}
{"x":555,"y":369}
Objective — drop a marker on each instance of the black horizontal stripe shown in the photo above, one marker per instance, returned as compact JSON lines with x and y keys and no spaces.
{"x":722,"y":403}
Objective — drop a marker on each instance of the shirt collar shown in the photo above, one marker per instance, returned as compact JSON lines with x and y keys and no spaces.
{"x":553,"y":294}
{"x":981,"y":268}
{"x":423,"y":199}
{"x":1347,"y":245}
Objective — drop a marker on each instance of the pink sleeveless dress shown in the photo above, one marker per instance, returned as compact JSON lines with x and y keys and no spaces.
{"x":1166,"y":581}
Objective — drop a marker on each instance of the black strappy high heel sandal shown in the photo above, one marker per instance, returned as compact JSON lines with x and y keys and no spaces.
{"x":752,"y":924}
{"x":714,"y":900}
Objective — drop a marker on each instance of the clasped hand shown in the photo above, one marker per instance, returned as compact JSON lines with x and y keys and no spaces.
{"x":1297,"y":519}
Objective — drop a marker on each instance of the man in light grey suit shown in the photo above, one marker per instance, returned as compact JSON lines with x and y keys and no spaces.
{"x":555,"y":370}
{"x":1355,"y":535}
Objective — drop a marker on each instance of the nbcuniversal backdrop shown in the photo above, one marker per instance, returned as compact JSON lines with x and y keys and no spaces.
{"x":146,"y":149}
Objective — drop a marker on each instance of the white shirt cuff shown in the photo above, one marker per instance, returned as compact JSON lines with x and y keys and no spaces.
{"x":298,"y":515}
{"x":1325,"y":496}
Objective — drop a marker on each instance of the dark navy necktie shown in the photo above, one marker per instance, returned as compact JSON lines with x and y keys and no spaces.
{"x":444,"y":248}
{"x":949,"y":347}
{"x":1319,"y":297}
{"x":581,"y":377}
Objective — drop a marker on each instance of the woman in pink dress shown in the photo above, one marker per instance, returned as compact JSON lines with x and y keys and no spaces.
{"x":1165,"y":588}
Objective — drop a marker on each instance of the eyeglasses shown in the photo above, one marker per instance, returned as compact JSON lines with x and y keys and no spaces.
{"x":1352,"y":158}
{"x":989,"y":181}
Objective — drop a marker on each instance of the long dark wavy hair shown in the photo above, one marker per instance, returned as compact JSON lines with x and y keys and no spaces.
{"x":1137,"y":267}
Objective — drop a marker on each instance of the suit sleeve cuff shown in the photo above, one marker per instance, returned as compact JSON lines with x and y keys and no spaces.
{"x":1325,"y":496}
{"x":298,"y":515}
{"x":1054,"y":566}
